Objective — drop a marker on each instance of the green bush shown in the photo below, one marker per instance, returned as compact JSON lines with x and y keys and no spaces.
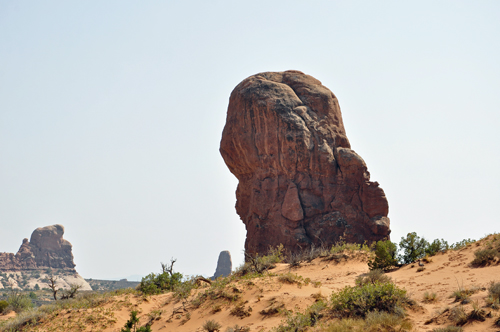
{"x":161,"y":282}
{"x":462,"y":244}
{"x":413,"y":248}
{"x":436,"y":246}
{"x":19,"y":302}
{"x":358,"y":301}
{"x":131,"y":324}
{"x":385,"y":256}
{"x":3,"y":305}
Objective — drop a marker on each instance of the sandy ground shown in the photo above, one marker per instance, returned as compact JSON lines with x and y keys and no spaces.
{"x":443,"y":275}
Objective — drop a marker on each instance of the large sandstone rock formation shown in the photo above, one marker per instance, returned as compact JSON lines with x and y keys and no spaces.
{"x":224,"y":265}
{"x":46,"y":249}
{"x":300,"y":184}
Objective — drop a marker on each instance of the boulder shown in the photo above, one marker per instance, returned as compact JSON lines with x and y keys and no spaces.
{"x":300,"y":183}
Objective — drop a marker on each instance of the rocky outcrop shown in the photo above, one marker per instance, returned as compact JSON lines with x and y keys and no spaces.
{"x":224,"y":265}
{"x":300,"y":184}
{"x":46,"y":249}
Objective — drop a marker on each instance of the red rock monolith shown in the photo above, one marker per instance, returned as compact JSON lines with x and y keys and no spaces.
{"x":300,"y":184}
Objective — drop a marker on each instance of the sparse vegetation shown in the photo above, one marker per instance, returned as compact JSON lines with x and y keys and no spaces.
{"x":493,"y":299}
{"x":211,"y":326}
{"x":260,"y":264}
{"x":430,"y":297}
{"x":358,"y":301}
{"x":458,"y":315}
{"x":131,"y":324}
{"x":449,"y":329}
{"x":100,"y":317}
{"x":238,"y":328}
{"x":19,"y":301}
{"x":477,"y":313}
{"x":374,"y":322}
{"x":240,"y":311}
{"x":372,"y":277}
{"x":462,"y":294}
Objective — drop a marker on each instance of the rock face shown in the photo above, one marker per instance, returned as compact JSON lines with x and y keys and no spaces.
{"x":224,"y":265}
{"x":47,"y":248}
{"x":300,"y":184}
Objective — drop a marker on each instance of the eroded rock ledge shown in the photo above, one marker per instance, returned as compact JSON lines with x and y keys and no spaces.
{"x":46,"y":249}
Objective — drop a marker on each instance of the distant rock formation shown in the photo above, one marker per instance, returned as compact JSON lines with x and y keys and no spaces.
{"x":47,"y":253}
{"x":300,"y":184}
{"x":224,"y":265}
{"x":46,"y":249}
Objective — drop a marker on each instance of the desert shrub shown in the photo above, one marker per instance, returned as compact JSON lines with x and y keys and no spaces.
{"x":374,"y":322}
{"x":19,"y":302}
{"x":449,"y":329}
{"x":183,"y":290}
{"x":351,"y":247}
{"x":158,"y":283}
{"x":295,"y":323}
{"x":462,"y":294}
{"x":217,"y":290}
{"x":288,"y":278}
{"x":273,"y":309}
{"x":385,"y":256}
{"x":493,"y":299}
{"x":238,"y":328}
{"x":462,"y":244}
{"x":240,"y":311}
{"x":358,"y":301}
{"x":259,"y":264}
{"x":458,"y":315}
{"x":384,"y":321}
{"x":345,"y":324}
{"x":477,"y":313}
{"x":3,"y":305}
{"x":372,"y":277}
{"x":413,"y":248}
{"x":315,"y":311}
{"x":131,"y":324}
{"x":429,"y":297}
{"x":211,"y":326}
{"x":484,"y":257}
{"x":302,"y":321}
{"x":436,"y":246}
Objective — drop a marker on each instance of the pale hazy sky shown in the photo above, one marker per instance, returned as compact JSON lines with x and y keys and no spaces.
{"x":111,"y":114}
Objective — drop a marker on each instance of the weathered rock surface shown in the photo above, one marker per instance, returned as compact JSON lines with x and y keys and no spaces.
{"x":224,"y":265}
{"x":47,"y":248}
{"x":46,"y":253}
{"x":300,"y":184}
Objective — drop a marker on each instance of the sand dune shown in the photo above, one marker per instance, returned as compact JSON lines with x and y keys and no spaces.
{"x":260,"y":298}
